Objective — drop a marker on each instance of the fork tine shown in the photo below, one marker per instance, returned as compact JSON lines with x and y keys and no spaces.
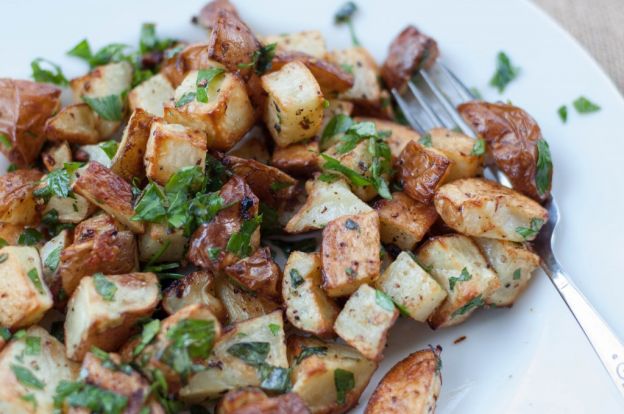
{"x":433,"y":118}
{"x":459,"y":86}
{"x":407,"y":112}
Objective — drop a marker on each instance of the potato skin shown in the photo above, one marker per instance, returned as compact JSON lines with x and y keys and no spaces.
{"x":511,"y":135}
{"x":24,"y":108}
{"x":410,"y":51}
{"x":365,"y":89}
{"x":255,"y":401}
{"x":301,"y":159}
{"x":239,"y":303}
{"x":128,"y":160}
{"x":17,"y":203}
{"x":422,"y":170}
{"x":483,"y":208}
{"x":56,"y":156}
{"x":411,"y":386}
{"x":331,"y":78}
{"x":197,"y":287}
{"x":310,"y":42}
{"x":258,"y":272}
{"x":457,"y":147}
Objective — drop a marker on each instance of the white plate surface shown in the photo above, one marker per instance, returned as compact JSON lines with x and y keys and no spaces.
{"x":532,"y":358}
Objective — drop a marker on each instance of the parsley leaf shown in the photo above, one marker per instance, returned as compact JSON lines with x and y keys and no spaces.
{"x":478,"y":148}
{"x":186,"y":98}
{"x":58,"y":183}
{"x":505,"y":72}
{"x":104,"y":287}
{"x":33,"y":275}
{"x":189,"y":339}
{"x":473,"y":304}
{"x":339,"y":124}
{"x":149,"y":42}
{"x":529,"y":233}
{"x":425,"y":140}
{"x":464,"y":276}
{"x":563,"y":113}
{"x":109,"y":147}
{"x":113,"y":52}
{"x":53,"y":259}
{"x":108,"y":107}
{"x":585,"y":106}
{"x":276,"y":379}
{"x":149,"y":206}
{"x":240,"y":242}
{"x":345,"y":15}
{"x":29,"y":237}
{"x":33,"y":345}
{"x":252,"y":353}
{"x":54,"y":75}
{"x":274,"y":328}
{"x":4,"y":257}
{"x":25,"y":377}
{"x":150,"y":330}
{"x":5,"y":141}
{"x":308,"y":351}
{"x":204,"y":78}
{"x":97,"y":400}
{"x":261,"y":59}
{"x":5,"y":333}
{"x":517,"y":274}
{"x":296,"y":279}
{"x":384,"y":301}
{"x":82,"y":50}
{"x":344,"y":381}
{"x":333,"y":164}
{"x":544,"y":167}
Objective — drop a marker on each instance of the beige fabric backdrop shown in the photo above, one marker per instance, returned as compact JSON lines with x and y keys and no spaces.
{"x":598,"y":25}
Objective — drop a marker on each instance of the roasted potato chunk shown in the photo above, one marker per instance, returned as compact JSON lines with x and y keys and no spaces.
{"x":310,"y":42}
{"x":409,"y":52}
{"x":515,"y":142}
{"x":128,"y":161}
{"x":17,"y":203}
{"x":108,"y":191}
{"x":413,"y":290}
{"x":50,"y":255}
{"x":422,"y":170}
{"x":158,"y":237}
{"x":24,"y":108}
{"x":56,"y":156}
{"x":298,"y":159}
{"x":226,"y":368}
{"x":361,"y":64}
{"x":255,"y":401}
{"x":171,"y":147}
{"x":192,"y":57}
{"x":151,"y":95}
{"x":72,"y":209}
{"x":307,"y":306}
{"x":241,"y":304}
{"x":459,"y":149}
{"x":350,"y":253}
{"x":104,"y":310}
{"x":404,"y":221}
{"x":322,"y":371}
{"x":400,"y":135}
{"x":25,"y":296}
{"x":48,"y":366}
{"x":411,"y":386}
{"x":225,"y":117}
{"x":194,"y":288}
{"x":294,"y":109}
{"x":483,"y":208}
{"x":457,"y":264}
{"x":325,"y":202}
{"x":76,"y":124}
{"x":253,"y":146}
{"x":514,"y":264}
{"x":354,"y":325}
{"x":10,"y":233}
{"x":258,"y":273}
{"x":100,"y":245}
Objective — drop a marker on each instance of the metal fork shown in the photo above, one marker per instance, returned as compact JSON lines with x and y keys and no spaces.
{"x":427,"y":103}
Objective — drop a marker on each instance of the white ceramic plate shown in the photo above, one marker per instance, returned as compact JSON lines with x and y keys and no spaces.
{"x":532,"y":358}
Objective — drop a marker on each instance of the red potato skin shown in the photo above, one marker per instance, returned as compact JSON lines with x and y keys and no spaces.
{"x":511,"y":135}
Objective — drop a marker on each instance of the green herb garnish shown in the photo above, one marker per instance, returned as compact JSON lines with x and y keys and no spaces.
{"x":473,"y":304}
{"x":108,"y":107}
{"x":464,"y":276}
{"x":25,"y":377}
{"x":240,"y":242}
{"x":344,"y":381}
{"x":531,"y":231}
{"x":308,"y":351}
{"x":563,"y":113}
{"x":104,"y":287}
{"x":585,"y":106}
{"x":384,"y":301}
{"x":252,"y":353}
{"x":544,"y":167}
{"x":345,"y":15}
{"x":53,"y":259}
{"x":261,"y":59}
{"x":150,"y":330}
{"x":53,"y":75}
{"x":478,"y":148}
{"x":505,"y":72}
{"x":33,"y":275}
{"x":296,"y":279}
{"x":517,"y":274}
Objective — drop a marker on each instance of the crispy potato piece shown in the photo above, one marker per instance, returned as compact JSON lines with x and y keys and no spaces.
{"x":100,"y":245}
{"x":411,"y":386}
{"x":208,"y":14}
{"x":255,"y":401}
{"x":268,"y":183}
{"x":224,"y":371}
{"x":409,"y":52}
{"x":413,"y":290}
{"x":106,"y":315}
{"x":108,"y":191}
{"x":458,"y":148}
{"x":301,"y":159}
{"x":310,"y":42}
{"x":457,"y":264}
{"x":483,"y":208}
{"x":240,"y":304}
{"x":24,"y":108}
{"x":96,"y":153}
{"x":350,"y":253}
{"x":192,"y":57}
{"x":258,"y":273}
{"x":422,"y":170}
{"x":25,"y":296}
{"x":307,"y":306}
{"x":400,"y":135}
{"x":128,"y":161}
{"x":194,"y":288}
{"x":171,"y":147}
{"x":73,"y":209}
{"x":361,"y":64}
{"x":354,"y":325}
{"x":512,"y":136}
{"x":314,"y":376}
{"x":514,"y":265}
{"x":56,"y":156}
{"x":50,"y":258}
{"x":404,"y":221}
{"x":325,"y":202}
{"x":253,"y":146}
{"x":294,"y":109}
{"x":151,"y":95}
{"x":17,"y":203}
{"x":331,"y":78}
{"x":76,"y":124}
{"x":225,"y":118}
{"x":10,"y":233}
{"x":207,"y":247}
{"x":155,"y":238}
{"x":49,"y":366}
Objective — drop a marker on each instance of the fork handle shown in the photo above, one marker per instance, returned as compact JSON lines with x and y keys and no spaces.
{"x":606,"y":344}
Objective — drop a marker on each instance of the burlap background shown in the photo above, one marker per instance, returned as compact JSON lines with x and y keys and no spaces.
{"x":598,"y":25}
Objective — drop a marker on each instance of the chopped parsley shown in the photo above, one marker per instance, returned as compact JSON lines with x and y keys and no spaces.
{"x":189,"y":339}
{"x":352,"y":225}
{"x":274,"y":328}
{"x":344,"y":381}
{"x":252,"y":353}
{"x":109,"y":147}
{"x":276,"y":379}
{"x":345,"y":15}
{"x":5,"y":141}
{"x":543,"y":172}
{"x":350,"y":272}
{"x":97,"y":400}
{"x":278,"y":185}
{"x":53,"y":259}
{"x":308,"y":351}
{"x":150,"y":330}
{"x":478,"y":148}
{"x":240,"y":242}
{"x":57,"y":183}
{"x":5,"y":333}
{"x":25,"y":377}
{"x":33,"y":345}
{"x":33,"y":275}
{"x":186,"y":98}
{"x":585,"y":106}
{"x":205,"y":77}
{"x":296,"y":279}
{"x":425,"y":140}
{"x":464,"y":276}
{"x":333,"y":164}
{"x":384,"y":301}
{"x":108,"y":107}
{"x":563,"y":113}
{"x":53,"y":75}
{"x":261,"y":59}
{"x":505,"y":72}
{"x":530,"y":232}
{"x":337,"y":125}
{"x":473,"y":304}
{"x":213,"y":253}
{"x":517,"y":274}
{"x":104,"y":287}
{"x":4,"y":257}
